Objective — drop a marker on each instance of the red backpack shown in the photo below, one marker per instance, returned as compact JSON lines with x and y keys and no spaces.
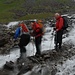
{"x":24,"y":27}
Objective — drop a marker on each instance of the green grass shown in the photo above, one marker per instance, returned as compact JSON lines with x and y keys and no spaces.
{"x":7,"y":7}
{"x":37,"y":16}
{"x":63,"y":1}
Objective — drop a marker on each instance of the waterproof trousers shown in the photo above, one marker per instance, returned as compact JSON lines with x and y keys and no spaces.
{"x":58,"y":39}
{"x":38,"y":45}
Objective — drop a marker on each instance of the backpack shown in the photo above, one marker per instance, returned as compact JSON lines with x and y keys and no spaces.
{"x":65,"y":25}
{"x":24,"y":28}
{"x":42,"y":27}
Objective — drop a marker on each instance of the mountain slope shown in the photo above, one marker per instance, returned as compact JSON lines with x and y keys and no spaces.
{"x":11,"y":10}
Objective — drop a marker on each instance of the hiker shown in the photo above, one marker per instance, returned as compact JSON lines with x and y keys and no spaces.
{"x":37,"y":33}
{"x":59,"y":31}
{"x":23,"y":32}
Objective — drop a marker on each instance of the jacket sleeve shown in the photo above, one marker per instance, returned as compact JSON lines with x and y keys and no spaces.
{"x":17,"y":33}
{"x":38,"y":30}
{"x":60,"y":24}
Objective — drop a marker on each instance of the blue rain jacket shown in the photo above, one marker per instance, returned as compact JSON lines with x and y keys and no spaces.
{"x":17,"y":33}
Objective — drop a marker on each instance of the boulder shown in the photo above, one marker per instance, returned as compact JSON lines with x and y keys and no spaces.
{"x":9,"y":65}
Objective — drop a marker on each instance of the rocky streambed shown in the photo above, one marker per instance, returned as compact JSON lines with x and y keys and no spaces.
{"x":6,"y":39}
{"x":46,"y":64}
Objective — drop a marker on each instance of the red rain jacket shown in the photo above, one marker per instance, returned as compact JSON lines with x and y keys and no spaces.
{"x":59,"y":23}
{"x":36,"y":30}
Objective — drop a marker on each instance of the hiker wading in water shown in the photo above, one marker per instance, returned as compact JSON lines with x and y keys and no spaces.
{"x":22,"y":32}
{"x":59,"y":31}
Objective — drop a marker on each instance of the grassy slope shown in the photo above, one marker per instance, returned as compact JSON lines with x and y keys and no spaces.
{"x":5,"y":9}
{"x":7,"y":5}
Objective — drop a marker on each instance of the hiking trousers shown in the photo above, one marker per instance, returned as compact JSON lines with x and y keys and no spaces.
{"x":38,"y":44}
{"x":58,"y":39}
{"x":24,"y":40}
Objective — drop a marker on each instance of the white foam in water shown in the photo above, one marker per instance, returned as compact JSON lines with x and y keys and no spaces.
{"x":71,"y":36}
{"x":31,"y":50}
{"x":10,"y":57}
{"x":68,"y":68}
{"x":11,"y":24}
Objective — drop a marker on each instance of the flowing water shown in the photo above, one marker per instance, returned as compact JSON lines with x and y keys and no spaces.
{"x":67,"y":68}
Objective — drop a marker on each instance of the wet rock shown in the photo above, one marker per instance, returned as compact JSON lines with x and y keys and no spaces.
{"x":4,"y":72}
{"x":40,"y":70}
{"x":9,"y":65}
{"x":25,"y":69}
{"x":24,"y":64}
{"x":6,"y":39}
{"x":28,"y":64}
{"x":3,"y":42}
{"x":33,"y":59}
{"x":45,"y":71}
{"x":53,"y":72}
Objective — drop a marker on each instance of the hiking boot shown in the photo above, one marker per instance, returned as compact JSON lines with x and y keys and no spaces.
{"x":37,"y":55}
{"x":61,"y":50}
{"x":57,"y":49}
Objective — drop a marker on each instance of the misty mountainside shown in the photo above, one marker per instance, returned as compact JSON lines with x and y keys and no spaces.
{"x":11,"y":10}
